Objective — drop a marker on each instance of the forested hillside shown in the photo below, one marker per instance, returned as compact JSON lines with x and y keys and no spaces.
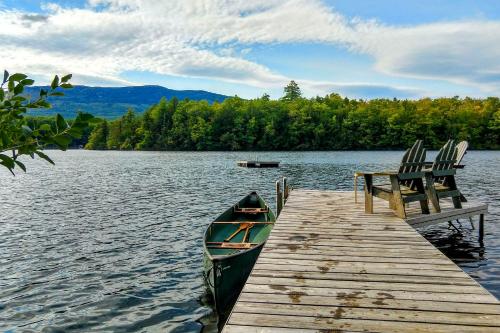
{"x":113,"y":102}
{"x":296,"y":123}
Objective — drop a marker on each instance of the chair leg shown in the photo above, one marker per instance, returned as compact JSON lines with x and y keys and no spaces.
{"x":423,"y":203}
{"x":456,"y":202}
{"x":424,"y":206}
{"x":431,"y":192}
{"x":453,"y":186}
{"x":368,"y":194}
{"x":397,"y":198}
{"x":462,"y":198}
{"x":391,"y":204}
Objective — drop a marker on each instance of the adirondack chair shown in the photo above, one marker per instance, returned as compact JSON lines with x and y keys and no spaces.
{"x":440,"y":178}
{"x":406,"y":184}
{"x":461,"y":151}
{"x":461,"y":148}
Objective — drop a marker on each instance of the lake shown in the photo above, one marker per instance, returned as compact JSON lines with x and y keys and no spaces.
{"x":112,"y":241}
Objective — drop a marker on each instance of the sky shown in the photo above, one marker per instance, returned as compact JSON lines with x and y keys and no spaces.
{"x":359,"y":49}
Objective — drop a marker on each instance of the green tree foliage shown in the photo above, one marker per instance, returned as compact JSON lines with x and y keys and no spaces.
{"x":291,"y":91}
{"x":20,"y":135}
{"x":98,"y":137}
{"x":297,"y":123}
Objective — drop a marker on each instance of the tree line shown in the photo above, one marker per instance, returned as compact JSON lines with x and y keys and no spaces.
{"x":296,"y":123}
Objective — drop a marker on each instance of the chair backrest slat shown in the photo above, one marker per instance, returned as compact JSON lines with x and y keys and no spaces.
{"x":446,"y":157}
{"x":413,"y":161}
{"x":461,"y":151}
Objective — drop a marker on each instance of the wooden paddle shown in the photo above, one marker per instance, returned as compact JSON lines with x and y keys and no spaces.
{"x":243,"y":226}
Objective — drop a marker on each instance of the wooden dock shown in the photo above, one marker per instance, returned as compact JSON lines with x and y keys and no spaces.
{"x":329,"y":267}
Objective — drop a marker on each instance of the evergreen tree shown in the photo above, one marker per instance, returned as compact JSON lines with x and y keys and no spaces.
{"x":99,"y":136}
{"x":291,"y":91}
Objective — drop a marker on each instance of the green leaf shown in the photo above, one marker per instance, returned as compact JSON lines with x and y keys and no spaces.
{"x":95,"y":120}
{"x":56,"y":93}
{"x":11,"y":86}
{"x":66,"y":85}
{"x":43,"y":104}
{"x":61,"y":123}
{"x":55,"y":82}
{"x":5,"y":76}
{"x":10,"y":169}
{"x":18,"y":77}
{"x":19,"y":89}
{"x":7,"y":161}
{"x":28,"y":82}
{"x":45,"y":127}
{"x":76,"y":132}
{"x":18,"y":98}
{"x":62,"y":141}
{"x":43,"y":92}
{"x":2,"y":94}
{"x":5,"y":139}
{"x":21,"y":165}
{"x":66,"y":78}
{"x":45,"y":157}
{"x":27,"y":129}
{"x":84,"y":117}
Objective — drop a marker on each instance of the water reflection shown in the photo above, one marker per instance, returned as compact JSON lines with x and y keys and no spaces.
{"x":112,"y":241}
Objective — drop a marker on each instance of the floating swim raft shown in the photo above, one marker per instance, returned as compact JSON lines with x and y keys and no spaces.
{"x":258,"y":164}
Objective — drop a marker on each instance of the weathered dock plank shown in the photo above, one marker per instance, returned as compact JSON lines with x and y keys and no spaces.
{"x":329,"y":267}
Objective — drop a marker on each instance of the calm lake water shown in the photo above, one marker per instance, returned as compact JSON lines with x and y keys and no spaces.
{"x":112,"y":241}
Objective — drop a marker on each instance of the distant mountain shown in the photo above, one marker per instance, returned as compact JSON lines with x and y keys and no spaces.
{"x":112,"y":102}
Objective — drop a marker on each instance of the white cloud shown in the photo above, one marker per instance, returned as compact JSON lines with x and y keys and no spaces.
{"x":367,"y":90}
{"x":105,"y":43}
{"x":460,"y":52}
{"x":197,"y":38}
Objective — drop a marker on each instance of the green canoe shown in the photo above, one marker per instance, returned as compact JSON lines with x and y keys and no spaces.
{"x":232,"y":244}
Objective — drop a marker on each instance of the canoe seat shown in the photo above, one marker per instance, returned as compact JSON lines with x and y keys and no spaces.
{"x":236,"y":245}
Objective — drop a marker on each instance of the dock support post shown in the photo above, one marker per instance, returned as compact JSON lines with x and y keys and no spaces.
{"x":481,"y":227}
{"x":355,"y":187}
{"x":279,"y":198}
{"x":286,"y":191}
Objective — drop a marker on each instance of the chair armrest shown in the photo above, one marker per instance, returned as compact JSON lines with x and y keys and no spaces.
{"x":376,"y":173}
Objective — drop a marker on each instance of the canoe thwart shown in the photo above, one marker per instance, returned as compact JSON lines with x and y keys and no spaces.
{"x":240,"y":222}
{"x":227,"y":245}
{"x":252,"y":210}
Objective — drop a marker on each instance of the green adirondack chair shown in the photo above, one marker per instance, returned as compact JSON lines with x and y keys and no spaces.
{"x":406,"y":184}
{"x":440,"y":178}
